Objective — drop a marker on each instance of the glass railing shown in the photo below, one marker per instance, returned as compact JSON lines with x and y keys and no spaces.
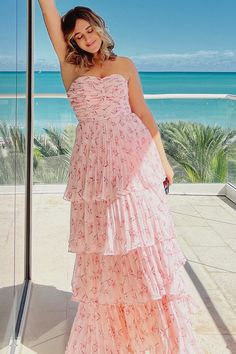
{"x":198,"y":132}
{"x":12,"y":169}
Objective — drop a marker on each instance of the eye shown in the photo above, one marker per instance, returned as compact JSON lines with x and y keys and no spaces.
{"x":79,"y":37}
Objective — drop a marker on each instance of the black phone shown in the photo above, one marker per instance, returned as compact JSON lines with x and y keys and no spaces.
{"x":74,"y":44}
{"x":166,"y":185}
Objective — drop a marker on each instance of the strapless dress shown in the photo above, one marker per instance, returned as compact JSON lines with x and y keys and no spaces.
{"x":126,"y":276}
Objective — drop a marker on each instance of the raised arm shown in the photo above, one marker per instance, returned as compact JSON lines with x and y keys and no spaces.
{"x":52,"y":21}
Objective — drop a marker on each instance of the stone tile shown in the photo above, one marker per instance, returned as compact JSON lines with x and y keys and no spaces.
{"x":47,"y":297}
{"x":200,"y":236}
{"x":186,"y":249}
{"x":216,"y":302}
{"x":204,"y":277}
{"x":192,"y":284}
{"x":186,"y":215}
{"x":24,"y":350}
{"x":51,"y":345}
{"x":203,"y":323}
{"x":223,"y":228}
{"x":177,"y":200}
{"x":211,"y":200}
{"x":50,"y":276}
{"x":217,"y":344}
{"x":231,"y":242}
{"x":216,"y":259}
{"x":215,"y":213}
{"x":184,"y":208}
{"x":226,"y":282}
{"x":42,"y":326}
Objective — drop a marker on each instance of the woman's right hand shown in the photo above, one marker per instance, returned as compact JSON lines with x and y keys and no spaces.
{"x":168,"y":171}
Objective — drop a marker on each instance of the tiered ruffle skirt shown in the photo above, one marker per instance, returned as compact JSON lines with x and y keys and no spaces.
{"x":126,"y":277}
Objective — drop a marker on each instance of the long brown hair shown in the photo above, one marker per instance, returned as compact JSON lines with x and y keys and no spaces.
{"x":76,"y":55}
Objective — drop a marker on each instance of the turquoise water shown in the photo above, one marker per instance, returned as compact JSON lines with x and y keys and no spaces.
{"x":58,"y":112}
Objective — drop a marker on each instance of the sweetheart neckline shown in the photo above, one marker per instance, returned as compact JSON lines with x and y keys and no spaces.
{"x":96,"y":77}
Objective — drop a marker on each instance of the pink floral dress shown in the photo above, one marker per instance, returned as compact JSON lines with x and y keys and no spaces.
{"x":126,"y":273}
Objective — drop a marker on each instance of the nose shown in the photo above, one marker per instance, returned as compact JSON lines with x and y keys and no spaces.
{"x":89,"y":40}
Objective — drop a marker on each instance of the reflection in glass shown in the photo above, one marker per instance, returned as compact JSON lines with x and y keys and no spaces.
{"x":12,"y":165}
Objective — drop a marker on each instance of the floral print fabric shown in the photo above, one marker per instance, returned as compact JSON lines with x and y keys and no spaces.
{"x":126,"y":280}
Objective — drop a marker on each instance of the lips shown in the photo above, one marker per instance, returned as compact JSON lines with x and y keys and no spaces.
{"x":92,"y":43}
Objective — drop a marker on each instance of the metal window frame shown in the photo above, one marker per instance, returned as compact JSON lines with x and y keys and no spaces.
{"x":18,"y":315}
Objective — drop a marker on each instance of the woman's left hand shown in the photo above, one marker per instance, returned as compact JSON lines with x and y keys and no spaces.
{"x":168,"y":171}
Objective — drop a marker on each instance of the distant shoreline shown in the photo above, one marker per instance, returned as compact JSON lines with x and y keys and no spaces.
{"x":151,"y":72}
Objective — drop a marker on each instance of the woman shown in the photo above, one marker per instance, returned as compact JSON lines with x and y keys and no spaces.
{"x":132,"y":297}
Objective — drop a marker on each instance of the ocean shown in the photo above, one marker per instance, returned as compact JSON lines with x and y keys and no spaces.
{"x":58,"y":112}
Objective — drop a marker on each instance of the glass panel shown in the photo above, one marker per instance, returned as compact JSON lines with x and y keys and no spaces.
{"x":54,"y":134}
{"x":232,"y":152}
{"x":199,"y":137}
{"x":198,"y":134}
{"x":12,"y":163}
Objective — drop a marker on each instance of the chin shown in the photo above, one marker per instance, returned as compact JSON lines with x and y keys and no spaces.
{"x":98,"y":45}
{"x":95,"y":49}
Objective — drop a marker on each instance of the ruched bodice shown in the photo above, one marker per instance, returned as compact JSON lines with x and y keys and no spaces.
{"x":114,"y":152}
{"x":95,"y":98}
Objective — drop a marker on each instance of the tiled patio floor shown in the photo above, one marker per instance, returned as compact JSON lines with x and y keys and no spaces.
{"x":206,"y":232}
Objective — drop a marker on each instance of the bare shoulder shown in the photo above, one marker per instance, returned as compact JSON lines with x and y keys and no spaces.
{"x":136,"y":96}
{"x":128,"y":65}
{"x":124,"y":61}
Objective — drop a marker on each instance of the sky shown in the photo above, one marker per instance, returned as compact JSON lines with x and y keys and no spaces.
{"x":183,"y":35}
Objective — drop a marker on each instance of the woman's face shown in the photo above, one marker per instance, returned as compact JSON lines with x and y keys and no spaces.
{"x":86,"y":37}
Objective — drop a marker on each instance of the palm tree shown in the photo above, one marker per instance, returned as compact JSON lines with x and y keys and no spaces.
{"x":51,"y":155}
{"x":198,"y":153}
{"x":203,"y":152}
{"x":12,"y":156}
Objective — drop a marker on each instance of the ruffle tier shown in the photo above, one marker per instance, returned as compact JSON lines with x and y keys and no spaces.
{"x":112,"y":157}
{"x":160,"y":326}
{"x":139,"y":276}
{"x":126,"y":276}
{"x":129,"y":287}
{"x":112,"y":227}
{"x":128,"y":283}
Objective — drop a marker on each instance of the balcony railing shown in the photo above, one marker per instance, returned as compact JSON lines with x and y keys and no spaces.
{"x":146,"y":96}
{"x":205,"y":225}
{"x":170,"y":109}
